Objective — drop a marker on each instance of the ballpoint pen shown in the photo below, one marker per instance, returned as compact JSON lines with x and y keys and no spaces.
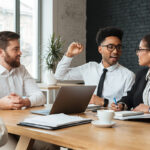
{"x":115,"y":102}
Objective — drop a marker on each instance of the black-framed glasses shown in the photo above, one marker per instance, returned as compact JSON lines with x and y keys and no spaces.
{"x":111,"y":47}
{"x":141,"y":50}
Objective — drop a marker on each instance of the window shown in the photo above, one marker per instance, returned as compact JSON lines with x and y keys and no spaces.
{"x":7,"y":15}
{"x":23,"y":16}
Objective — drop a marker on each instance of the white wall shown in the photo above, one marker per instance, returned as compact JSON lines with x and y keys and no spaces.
{"x":69,"y":21}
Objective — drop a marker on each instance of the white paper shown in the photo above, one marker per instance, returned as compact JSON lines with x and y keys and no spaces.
{"x":54,"y":120}
{"x":133,"y":117}
{"x":127,"y":113}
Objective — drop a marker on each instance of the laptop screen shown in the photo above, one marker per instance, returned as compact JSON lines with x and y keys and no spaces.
{"x":72,"y":99}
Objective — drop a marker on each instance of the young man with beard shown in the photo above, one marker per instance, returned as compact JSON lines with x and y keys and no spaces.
{"x":118,"y":79}
{"x":14,"y":78}
{"x":16,"y":83}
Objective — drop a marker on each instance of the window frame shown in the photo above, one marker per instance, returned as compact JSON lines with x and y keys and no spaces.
{"x":17,"y":30}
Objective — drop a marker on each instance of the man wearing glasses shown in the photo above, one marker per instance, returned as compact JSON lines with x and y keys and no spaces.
{"x":112,"y":79}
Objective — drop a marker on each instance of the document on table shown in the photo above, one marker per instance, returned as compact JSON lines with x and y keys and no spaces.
{"x":55,"y":121}
{"x":144,"y":116}
{"x":128,"y":113}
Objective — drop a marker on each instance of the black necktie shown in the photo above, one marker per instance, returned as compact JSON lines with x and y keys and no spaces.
{"x":101,"y":82}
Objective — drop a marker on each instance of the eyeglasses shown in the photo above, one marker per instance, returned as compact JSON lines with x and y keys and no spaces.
{"x":141,"y":50}
{"x":111,"y":47}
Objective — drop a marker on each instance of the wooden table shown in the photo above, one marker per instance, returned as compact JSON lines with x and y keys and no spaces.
{"x":51,"y":90}
{"x":124,"y":135}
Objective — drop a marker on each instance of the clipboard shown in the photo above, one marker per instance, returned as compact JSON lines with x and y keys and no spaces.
{"x":53,"y":128}
{"x":54,"y":121}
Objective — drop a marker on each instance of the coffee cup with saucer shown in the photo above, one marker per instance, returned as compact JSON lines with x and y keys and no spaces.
{"x":105,"y":118}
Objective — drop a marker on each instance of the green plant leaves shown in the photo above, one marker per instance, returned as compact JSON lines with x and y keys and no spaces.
{"x":54,"y":52}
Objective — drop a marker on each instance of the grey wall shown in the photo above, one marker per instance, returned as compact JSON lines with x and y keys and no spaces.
{"x":70,"y":23}
{"x":66,"y":18}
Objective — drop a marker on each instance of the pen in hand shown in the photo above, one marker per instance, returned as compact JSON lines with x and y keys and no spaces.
{"x":115,"y":101}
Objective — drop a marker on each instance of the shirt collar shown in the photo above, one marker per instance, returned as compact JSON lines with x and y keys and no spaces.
{"x":3,"y":70}
{"x":148,"y":75}
{"x":111,"y":68}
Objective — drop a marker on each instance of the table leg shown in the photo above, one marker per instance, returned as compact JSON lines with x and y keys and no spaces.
{"x":48,"y":97}
{"x":24,"y":143}
{"x":54,"y":94}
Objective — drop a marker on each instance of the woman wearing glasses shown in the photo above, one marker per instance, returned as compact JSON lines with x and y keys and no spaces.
{"x":139,"y":96}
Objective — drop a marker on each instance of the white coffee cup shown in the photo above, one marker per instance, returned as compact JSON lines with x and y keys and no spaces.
{"x":105,"y":116}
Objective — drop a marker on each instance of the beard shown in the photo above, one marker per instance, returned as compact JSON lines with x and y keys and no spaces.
{"x":12,"y":61}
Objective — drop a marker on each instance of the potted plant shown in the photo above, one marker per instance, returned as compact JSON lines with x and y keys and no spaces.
{"x":52,"y":56}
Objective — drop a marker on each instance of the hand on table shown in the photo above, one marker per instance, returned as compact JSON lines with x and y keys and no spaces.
{"x":118,"y":107}
{"x":12,"y":101}
{"x":142,"y":107}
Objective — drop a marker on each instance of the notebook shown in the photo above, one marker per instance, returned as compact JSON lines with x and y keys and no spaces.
{"x":128,"y":113}
{"x":70,"y":100}
{"x":137,"y":116}
{"x":55,"y":121}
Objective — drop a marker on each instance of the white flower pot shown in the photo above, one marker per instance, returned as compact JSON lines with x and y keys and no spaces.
{"x":49,"y":78}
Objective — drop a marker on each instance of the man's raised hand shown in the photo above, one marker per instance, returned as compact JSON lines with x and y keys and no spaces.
{"x":74,"y":48}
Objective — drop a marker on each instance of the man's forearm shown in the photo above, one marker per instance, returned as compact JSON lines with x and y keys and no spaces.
{"x":63,"y":68}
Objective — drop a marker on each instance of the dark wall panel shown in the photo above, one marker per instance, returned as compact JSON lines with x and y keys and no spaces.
{"x":132,"y":16}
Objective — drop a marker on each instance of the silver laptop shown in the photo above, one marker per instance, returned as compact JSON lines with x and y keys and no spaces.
{"x":70,"y":100}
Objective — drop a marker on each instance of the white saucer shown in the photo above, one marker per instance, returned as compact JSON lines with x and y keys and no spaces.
{"x":97,"y":123}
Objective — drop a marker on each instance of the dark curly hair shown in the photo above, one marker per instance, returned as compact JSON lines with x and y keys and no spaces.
{"x":106,"y":32}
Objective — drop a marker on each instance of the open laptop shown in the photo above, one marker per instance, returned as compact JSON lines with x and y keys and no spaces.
{"x":70,"y":99}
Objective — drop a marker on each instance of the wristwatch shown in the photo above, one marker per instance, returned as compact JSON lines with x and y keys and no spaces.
{"x":106,"y":101}
{"x":124,"y":106}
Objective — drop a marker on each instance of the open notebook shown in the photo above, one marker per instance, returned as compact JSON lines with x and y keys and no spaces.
{"x":55,"y":121}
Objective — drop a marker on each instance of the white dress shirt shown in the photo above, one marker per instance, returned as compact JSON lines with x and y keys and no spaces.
{"x":118,"y":80}
{"x":19,"y":81}
{"x":146,"y":92}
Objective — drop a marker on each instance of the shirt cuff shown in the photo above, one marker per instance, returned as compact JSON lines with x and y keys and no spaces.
{"x":65,"y":58}
{"x":37,"y":100}
{"x":32,"y":101}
